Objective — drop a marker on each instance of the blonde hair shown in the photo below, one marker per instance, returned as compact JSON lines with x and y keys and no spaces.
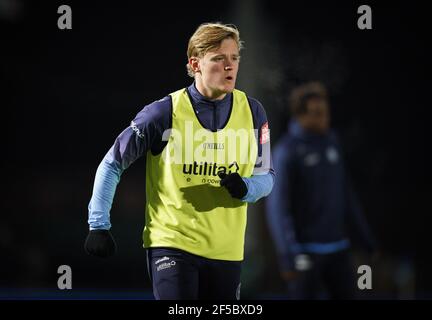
{"x":209,"y":36}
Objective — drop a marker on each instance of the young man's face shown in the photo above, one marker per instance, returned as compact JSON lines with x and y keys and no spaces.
{"x":218,"y":70}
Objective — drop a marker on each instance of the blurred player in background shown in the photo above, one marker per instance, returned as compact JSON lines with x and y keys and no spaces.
{"x":312,"y":212}
{"x":195,"y":210}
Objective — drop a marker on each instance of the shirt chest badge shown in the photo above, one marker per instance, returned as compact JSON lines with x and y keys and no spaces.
{"x":312,"y":159}
{"x":332,"y":155}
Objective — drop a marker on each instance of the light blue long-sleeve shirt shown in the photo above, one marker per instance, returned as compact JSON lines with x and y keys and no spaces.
{"x":107,"y":178}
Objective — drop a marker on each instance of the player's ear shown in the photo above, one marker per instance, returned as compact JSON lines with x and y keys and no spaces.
{"x":194,"y":64}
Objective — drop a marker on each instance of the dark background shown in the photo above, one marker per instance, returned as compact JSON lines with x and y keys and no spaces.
{"x":67,"y":94}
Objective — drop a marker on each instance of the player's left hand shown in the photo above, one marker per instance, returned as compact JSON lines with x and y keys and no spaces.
{"x":234,"y":184}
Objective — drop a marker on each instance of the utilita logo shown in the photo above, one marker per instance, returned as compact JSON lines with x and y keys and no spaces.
{"x":209,"y":169}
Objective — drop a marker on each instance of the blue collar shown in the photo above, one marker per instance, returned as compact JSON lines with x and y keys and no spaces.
{"x":198,"y":98}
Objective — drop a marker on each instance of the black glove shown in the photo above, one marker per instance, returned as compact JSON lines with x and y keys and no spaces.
{"x":234,"y":184}
{"x":100,"y":243}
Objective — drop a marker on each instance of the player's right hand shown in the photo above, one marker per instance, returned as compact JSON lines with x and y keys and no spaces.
{"x":100,"y":243}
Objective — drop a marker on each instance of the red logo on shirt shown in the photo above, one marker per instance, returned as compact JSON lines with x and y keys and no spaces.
{"x":265,"y":133}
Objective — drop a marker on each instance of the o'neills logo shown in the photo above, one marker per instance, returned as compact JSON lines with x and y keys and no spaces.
{"x":215,"y":146}
{"x":209,"y":169}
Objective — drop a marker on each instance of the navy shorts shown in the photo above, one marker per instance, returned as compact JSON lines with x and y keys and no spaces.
{"x":179,"y":275}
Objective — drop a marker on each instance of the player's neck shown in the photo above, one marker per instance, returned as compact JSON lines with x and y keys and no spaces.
{"x":208,"y":93}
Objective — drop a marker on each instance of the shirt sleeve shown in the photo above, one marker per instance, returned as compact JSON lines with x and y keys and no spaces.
{"x":258,"y":186}
{"x":263,"y":163}
{"x":357,"y":222}
{"x":261,"y":182}
{"x":278,"y":209}
{"x":143,"y":134}
{"x":358,"y":227}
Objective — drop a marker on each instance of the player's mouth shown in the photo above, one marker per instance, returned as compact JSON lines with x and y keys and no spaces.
{"x":229,"y":78}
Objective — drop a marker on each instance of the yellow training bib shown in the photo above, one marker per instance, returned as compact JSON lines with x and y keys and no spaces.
{"x":186,"y":206}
